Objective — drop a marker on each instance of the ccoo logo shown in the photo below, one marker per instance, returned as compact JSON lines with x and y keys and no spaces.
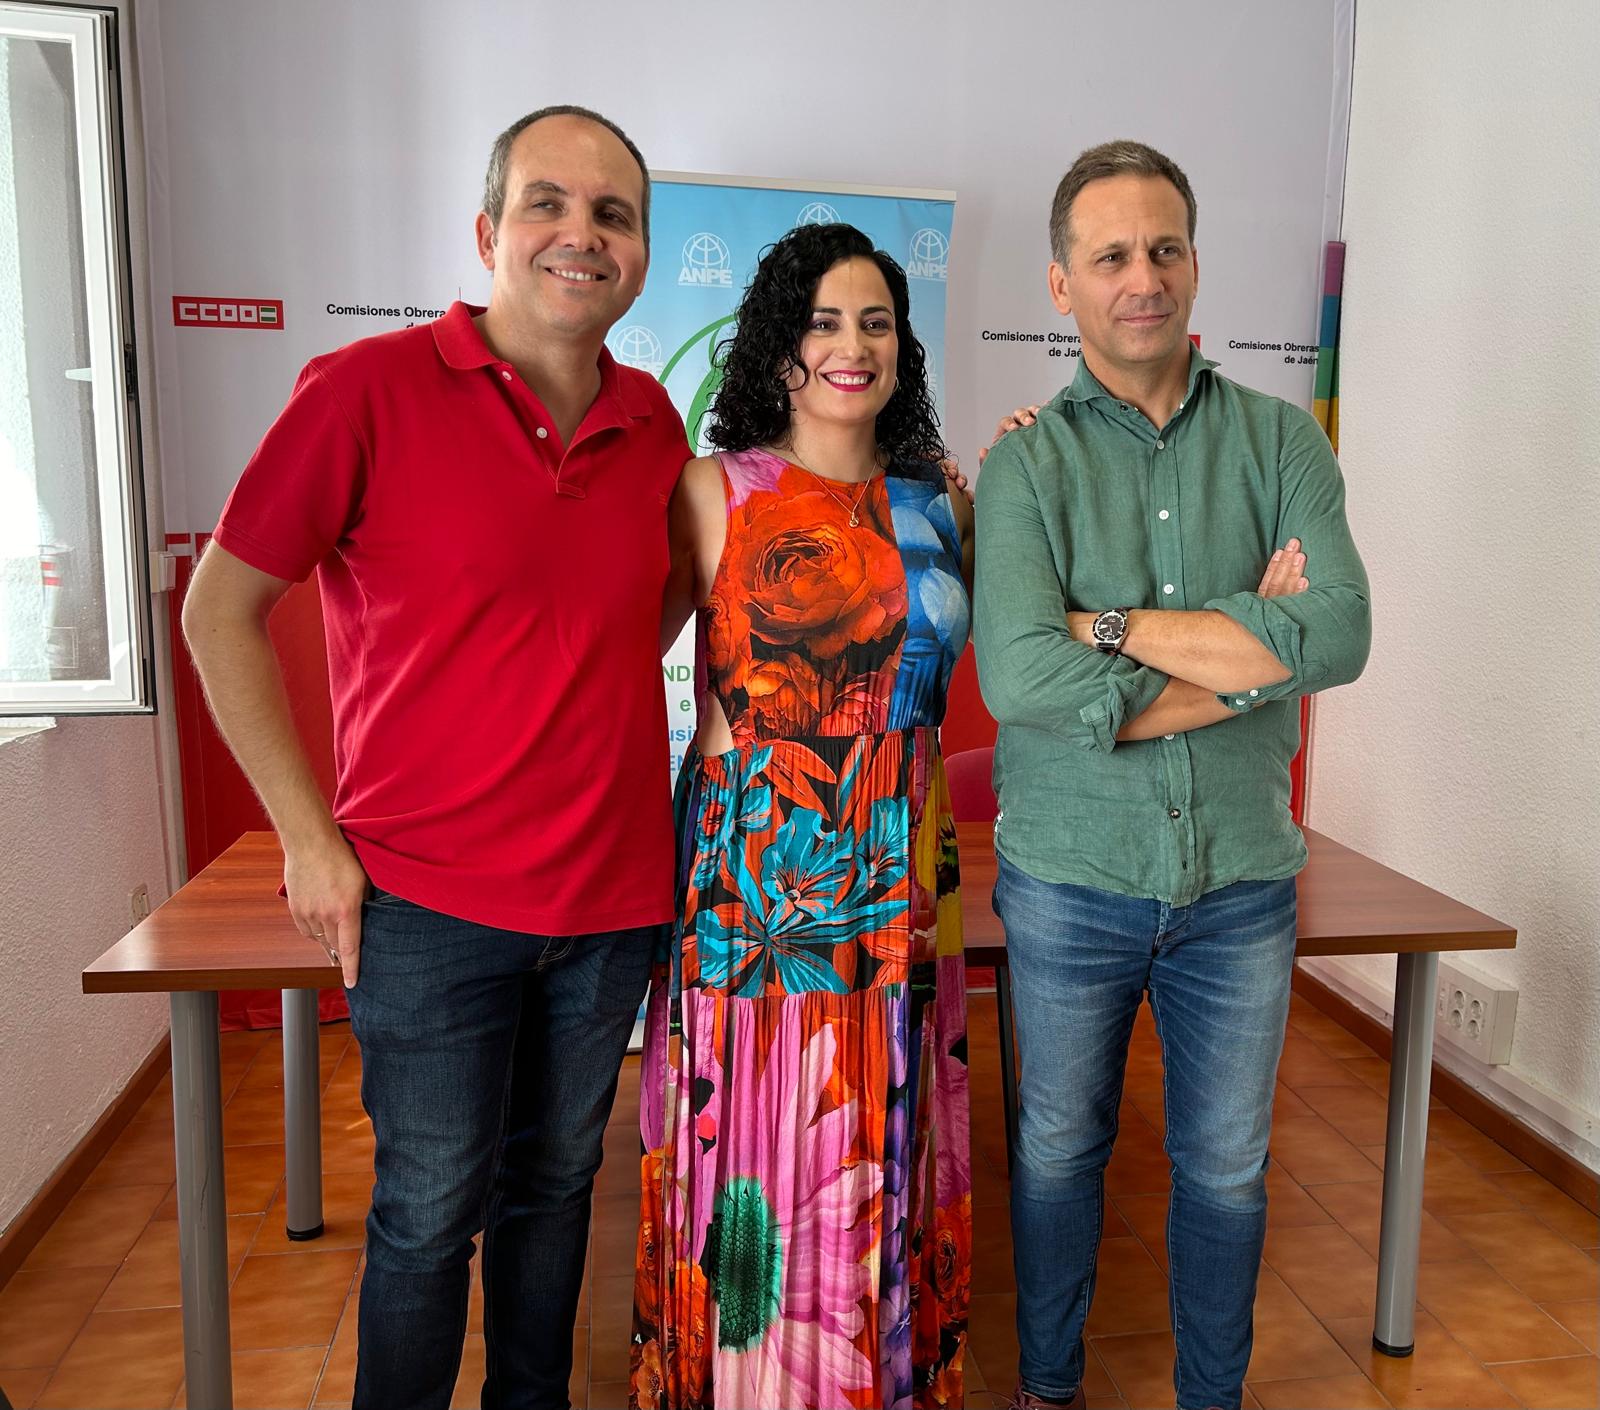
{"x":191,"y":311}
{"x":930,"y":254}
{"x":706,"y":262}
{"x":638,"y":347}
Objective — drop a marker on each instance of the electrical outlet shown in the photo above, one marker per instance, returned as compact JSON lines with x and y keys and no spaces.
{"x":139,"y":902}
{"x":1476,"y":1012}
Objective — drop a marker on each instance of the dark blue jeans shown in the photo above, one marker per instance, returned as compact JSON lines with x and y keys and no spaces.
{"x":1217,"y":973}
{"x":489,"y":1067}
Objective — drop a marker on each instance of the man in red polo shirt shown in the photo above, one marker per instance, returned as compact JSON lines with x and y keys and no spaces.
{"x":483,"y":500}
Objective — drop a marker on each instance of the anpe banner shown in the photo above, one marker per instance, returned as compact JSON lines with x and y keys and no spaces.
{"x":707,"y":235}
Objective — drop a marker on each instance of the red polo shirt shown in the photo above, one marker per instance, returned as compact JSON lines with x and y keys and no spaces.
{"x":492,"y":607}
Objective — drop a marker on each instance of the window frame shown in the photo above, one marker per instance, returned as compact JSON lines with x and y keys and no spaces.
{"x":129,"y":686}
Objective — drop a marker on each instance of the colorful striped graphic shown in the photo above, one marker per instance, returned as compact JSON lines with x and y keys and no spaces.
{"x":1326,"y":405}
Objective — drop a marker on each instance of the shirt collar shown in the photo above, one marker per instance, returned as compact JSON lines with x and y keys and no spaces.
{"x":462,"y":347}
{"x":1087,"y":387}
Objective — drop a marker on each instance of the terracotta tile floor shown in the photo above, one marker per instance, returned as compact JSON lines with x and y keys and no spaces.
{"x":1509,"y":1284}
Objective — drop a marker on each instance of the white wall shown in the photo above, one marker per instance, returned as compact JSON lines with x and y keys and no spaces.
{"x":1466,"y":756}
{"x":81,"y":826}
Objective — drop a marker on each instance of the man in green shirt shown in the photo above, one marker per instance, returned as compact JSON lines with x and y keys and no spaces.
{"x":1147,"y":692}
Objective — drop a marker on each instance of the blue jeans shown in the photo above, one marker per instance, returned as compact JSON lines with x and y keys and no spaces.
{"x":489,"y":1068}
{"x":1217,"y":973}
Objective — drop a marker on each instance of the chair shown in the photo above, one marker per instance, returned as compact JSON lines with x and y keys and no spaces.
{"x":971,"y":776}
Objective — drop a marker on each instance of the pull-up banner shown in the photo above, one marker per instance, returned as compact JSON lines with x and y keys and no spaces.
{"x":707,"y":234}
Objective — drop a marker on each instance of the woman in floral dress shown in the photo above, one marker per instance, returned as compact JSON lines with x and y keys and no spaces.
{"x":805,"y":1231}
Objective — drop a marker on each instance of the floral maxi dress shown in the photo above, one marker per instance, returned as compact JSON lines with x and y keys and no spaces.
{"x":806,"y":1206}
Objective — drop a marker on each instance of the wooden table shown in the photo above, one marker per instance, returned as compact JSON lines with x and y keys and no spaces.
{"x":226,"y":929}
{"x":229,"y":929}
{"x":1349,"y":905}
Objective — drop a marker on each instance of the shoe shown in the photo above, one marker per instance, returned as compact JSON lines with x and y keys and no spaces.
{"x":1026,"y":1400}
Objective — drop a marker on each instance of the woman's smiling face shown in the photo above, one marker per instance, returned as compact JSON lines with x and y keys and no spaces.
{"x":850,"y":348}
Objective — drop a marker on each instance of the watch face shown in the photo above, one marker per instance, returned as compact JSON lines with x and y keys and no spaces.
{"x":1108,"y":628}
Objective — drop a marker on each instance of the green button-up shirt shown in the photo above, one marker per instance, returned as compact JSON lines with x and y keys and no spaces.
{"x":1094,"y":507}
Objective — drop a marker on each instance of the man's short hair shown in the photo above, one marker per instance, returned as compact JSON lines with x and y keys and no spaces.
{"x":494,"y":181}
{"x":1121,"y":158}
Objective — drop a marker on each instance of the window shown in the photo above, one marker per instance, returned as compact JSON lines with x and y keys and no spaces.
{"x":74,"y":603}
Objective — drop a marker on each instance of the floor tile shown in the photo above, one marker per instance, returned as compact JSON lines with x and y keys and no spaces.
{"x":1488,"y":1316}
{"x":272,"y":1380}
{"x":282,"y":1299}
{"x":615,"y":1228}
{"x":1141,"y":1366}
{"x":1327,"y":1269}
{"x":1451,"y":1186}
{"x":338,"y":1383}
{"x":1527,"y":1253}
{"x":1358,"y":1207}
{"x":1146,"y":1218}
{"x":120,"y":1359}
{"x":1352,"y":1392}
{"x":1581,"y":1319}
{"x":1572,"y":1383}
{"x":1334,"y":1039}
{"x":1304,"y":1064}
{"x":469,"y":1381}
{"x":1552,"y":1206}
{"x":1358,"y":1114}
{"x":1288,"y":1339}
{"x":251,"y":1175}
{"x":97,"y":1227}
{"x":22,"y":1383}
{"x":346,"y":1198}
{"x":1478,"y":1150}
{"x":42,"y":1309}
{"x":992,"y":1335}
{"x":1130,"y":1293}
{"x":149,"y":1276}
{"x":1289,"y":1205}
{"x":141,"y":1155}
{"x":610,"y":1325}
{"x":1370,"y":1072}
{"x":1312,"y":1152}
{"x":1439,"y":1376}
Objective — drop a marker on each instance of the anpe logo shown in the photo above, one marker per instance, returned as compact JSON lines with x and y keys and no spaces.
{"x":637,"y":346}
{"x":817,"y":213}
{"x":930,"y":254}
{"x":706,"y":262}
{"x":191,"y":311}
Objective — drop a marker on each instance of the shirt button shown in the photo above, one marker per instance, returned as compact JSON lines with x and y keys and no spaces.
{"x":1169,"y":736}
{"x":1161,"y":445}
{"x":1254,"y":693}
{"x":1240,"y":700}
{"x":1168,"y":589}
{"x":1164,"y":515}
{"x":541,"y":433}
{"x":1173,"y":813}
{"x":506,"y":373}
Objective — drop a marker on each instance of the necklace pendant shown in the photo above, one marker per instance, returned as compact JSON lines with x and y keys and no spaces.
{"x":854,"y":522}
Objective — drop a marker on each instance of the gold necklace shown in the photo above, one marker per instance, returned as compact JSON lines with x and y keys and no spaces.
{"x":828,"y":485}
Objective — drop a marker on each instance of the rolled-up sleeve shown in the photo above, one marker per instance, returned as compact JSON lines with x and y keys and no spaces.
{"x":1031,"y":671}
{"x":1322,"y":635}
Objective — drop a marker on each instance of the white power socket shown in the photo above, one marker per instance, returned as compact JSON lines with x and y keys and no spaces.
{"x":1476,"y":1012}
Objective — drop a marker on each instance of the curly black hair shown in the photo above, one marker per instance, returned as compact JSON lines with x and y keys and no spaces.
{"x":751,"y":407}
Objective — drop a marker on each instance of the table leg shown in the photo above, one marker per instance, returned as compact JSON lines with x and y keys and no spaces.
{"x":1008,"y":1059}
{"x":1410,"y":1068}
{"x":302,"y":1115}
{"x":202,"y":1206}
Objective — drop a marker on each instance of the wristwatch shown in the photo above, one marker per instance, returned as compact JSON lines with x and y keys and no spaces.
{"x":1108,"y":630}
